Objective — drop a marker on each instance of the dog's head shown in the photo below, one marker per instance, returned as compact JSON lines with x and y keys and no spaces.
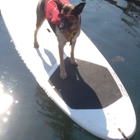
{"x":69,"y":15}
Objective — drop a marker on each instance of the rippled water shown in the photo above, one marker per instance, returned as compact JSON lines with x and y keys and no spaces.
{"x":114,"y":27}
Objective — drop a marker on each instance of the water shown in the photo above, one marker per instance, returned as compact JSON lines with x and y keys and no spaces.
{"x":113,"y":26}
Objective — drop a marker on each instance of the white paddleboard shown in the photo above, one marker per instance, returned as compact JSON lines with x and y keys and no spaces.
{"x":92,"y":95}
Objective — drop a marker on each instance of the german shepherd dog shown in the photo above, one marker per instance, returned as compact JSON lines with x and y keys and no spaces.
{"x":65,"y":20}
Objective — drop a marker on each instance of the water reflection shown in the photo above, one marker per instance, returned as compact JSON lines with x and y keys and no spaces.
{"x":6,"y":78}
{"x":6,"y":101}
{"x":131,"y":17}
{"x":7,"y":85}
{"x":64,"y":128}
{"x":131,"y":10}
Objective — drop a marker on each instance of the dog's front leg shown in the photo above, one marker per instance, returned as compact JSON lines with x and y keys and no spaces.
{"x":63,"y":73}
{"x":73,"y":61}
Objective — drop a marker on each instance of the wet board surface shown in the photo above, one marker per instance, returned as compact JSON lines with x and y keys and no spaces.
{"x":92,"y":95}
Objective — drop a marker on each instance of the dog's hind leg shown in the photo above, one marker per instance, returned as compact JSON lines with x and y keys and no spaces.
{"x":40,"y":18}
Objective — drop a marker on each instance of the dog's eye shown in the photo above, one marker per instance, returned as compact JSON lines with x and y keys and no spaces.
{"x":71,"y":17}
{"x":61,"y":16}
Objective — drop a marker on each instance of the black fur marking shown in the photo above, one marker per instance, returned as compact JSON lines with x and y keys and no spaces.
{"x":78,"y":9}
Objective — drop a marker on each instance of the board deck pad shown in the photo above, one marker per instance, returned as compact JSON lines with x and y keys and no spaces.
{"x":100,"y":92}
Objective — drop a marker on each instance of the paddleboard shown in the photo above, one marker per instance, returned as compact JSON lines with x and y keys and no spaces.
{"x":92,"y":95}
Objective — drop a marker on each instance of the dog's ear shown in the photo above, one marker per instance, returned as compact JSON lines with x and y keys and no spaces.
{"x":59,"y":5}
{"x":79,"y":8}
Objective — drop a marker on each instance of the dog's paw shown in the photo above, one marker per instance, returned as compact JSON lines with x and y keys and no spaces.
{"x":63,"y":75}
{"x":74,"y":62}
{"x":36,"y":45}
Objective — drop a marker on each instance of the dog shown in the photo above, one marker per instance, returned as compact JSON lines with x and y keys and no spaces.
{"x":65,"y":21}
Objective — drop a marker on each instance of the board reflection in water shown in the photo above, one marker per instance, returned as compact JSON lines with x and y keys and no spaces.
{"x":63,"y":127}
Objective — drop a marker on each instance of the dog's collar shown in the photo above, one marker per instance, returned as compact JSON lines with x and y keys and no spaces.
{"x":71,"y":33}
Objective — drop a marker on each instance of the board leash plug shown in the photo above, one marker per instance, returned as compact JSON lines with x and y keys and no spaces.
{"x":123,"y":134}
